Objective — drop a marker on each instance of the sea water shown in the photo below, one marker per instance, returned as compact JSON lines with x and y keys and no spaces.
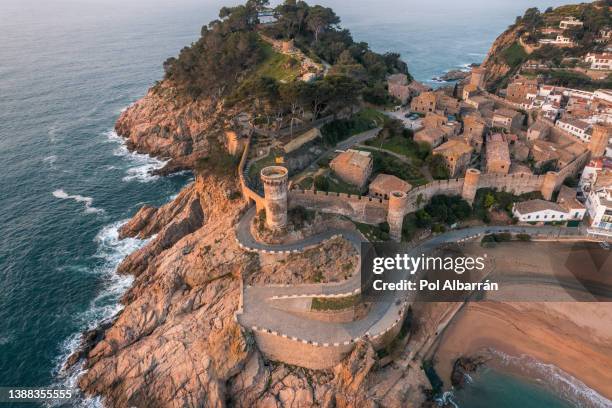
{"x":67,"y":70}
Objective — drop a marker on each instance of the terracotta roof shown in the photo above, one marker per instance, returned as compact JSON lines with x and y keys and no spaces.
{"x":567,"y":199}
{"x":531,"y":206}
{"x":388,"y":183}
{"x":453,"y":147}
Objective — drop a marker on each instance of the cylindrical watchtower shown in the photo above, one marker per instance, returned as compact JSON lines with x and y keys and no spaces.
{"x":275,"y":183}
{"x":398,"y":205}
{"x":470,"y":185}
{"x":549,"y":185}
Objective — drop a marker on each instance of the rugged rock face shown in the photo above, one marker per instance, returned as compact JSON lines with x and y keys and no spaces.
{"x":497,"y":68}
{"x":463,"y":366}
{"x":176,"y":343}
{"x":165,"y":125}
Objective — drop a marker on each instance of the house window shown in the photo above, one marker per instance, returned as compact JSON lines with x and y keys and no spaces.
{"x":576,"y":214}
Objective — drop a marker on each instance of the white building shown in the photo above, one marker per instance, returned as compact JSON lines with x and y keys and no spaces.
{"x":576,"y":127}
{"x":542,"y":211}
{"x":599,"y":205}
{"x":570,"y":22}
{"x":561,"y":40}
{"x":598,"y":61}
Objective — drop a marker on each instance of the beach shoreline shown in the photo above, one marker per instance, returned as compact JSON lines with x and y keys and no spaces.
{"x":571,"y":337}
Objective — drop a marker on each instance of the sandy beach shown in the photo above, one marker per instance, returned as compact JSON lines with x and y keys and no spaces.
{"x":575,"y":337}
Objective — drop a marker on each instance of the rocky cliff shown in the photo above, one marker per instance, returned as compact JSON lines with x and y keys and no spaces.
{"x":176,"y":344}
{"x":165,"y":124}
{"x":497,"y":68}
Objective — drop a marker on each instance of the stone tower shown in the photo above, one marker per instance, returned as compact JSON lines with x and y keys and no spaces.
{"x":275,"y":183}
{"x":549,"y":185}
{"x":599,"y":140}
{"x":478,"y":77}
{"x":470,"y":185}
{"x":398,"y":206}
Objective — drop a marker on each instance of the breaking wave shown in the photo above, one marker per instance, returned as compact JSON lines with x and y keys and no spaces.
{"x":567,"y":386}
{"x":141,"y":165}
{"x":104,"y":307}
{"x":88,"y":201}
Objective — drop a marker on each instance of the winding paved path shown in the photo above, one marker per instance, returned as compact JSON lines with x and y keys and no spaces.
{"x":263,"y":306}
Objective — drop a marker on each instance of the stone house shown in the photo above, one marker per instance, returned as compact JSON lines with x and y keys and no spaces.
{"x":433,"y":136}
{"x":384,"y":184}
{"x":353,"y":166}
{"x":456,"y":154}
{"x":508,"y":119}
{"x":398,"y":87}
{"x":435,"y":119}
{"x":425,"y":102}
{"x":519,"y":89}
{"x":497,"y":154}
{"x":538,"y":131}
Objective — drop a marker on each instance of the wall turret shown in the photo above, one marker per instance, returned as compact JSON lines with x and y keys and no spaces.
{"x":275,"y":183}
{"x":549,"y":185}
{"x":398,"y":206}
{"x":599,"y":140}
{"x":470,"y":185}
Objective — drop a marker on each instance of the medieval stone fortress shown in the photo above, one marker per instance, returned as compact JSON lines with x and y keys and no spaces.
{"x":531,"y":158}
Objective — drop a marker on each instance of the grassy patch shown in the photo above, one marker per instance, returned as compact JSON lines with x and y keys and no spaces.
{"x":374,"y":232}
{"x":386,"y":163}
{"x":342,"y":129}
{"x":278,"y":66}
{"x":337,"y":303}
{"x":256,"y":167}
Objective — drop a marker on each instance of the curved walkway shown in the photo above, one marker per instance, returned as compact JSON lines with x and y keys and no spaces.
{"x":262,"y":311}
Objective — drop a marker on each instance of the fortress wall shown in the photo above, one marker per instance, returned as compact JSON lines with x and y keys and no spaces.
{"x":296,"y":352}
{"x":573,"y":168}
{"x":426,"y":191}
{"x":247,"y":192}
{"x":512,"y":183}
{"x":358,"y":208}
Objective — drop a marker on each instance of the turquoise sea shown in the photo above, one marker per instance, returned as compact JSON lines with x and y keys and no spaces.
{"x":67,"y":69}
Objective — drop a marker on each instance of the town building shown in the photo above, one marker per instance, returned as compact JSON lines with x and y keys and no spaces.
{"x":469,"y":91}
{"x":599,"y":204}
{"x":399,"y":88}
{"x":385,"y":184}
{"x":433,"y":136}
{"x":497,"y":154}
{"x":538,"y":131}
{"x":570,"y":22}
{"x":456,"y":154}
{"x":521,"y":88}
{"x":481,"y":103}
{"x":539,"y":212}
{"x":507,"y":118}
{"x":568,"y":201}
{"x":599,"y":61}
{"x":576,"y":127}
{"x":435,"y":119}
{"x":425,"y":102}
{"x":477,"y":77}
{"x":353,"y":166}
{"x":559,"y":41}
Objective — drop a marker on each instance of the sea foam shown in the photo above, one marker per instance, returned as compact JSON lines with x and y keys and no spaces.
{"x":567,"y":386}
{"x":88,"y":201}
{"x":111,"y":251}
{"x":141,"y":165}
